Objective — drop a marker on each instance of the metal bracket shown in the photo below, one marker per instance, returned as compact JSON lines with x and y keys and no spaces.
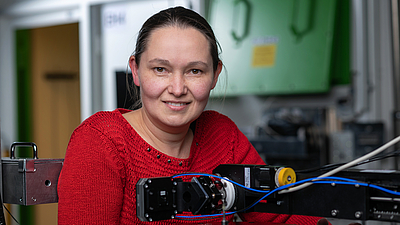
{"x":26,"y":166}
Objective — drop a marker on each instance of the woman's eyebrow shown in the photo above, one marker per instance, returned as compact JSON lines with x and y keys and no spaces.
{"x":158,"y":60}
{"x":198,"y":63}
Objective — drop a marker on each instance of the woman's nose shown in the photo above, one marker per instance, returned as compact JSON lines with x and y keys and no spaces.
{"x":177,"y":85}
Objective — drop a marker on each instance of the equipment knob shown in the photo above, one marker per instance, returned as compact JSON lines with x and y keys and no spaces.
{"x":284,"y":176}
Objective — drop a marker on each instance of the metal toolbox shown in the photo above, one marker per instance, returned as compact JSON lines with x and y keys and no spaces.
{"x":30,"y":181}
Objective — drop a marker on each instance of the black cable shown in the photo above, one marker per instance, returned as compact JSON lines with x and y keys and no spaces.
{"x":10,"y":214}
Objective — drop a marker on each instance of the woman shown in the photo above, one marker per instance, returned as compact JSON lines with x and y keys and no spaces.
{"x":176,"y":65}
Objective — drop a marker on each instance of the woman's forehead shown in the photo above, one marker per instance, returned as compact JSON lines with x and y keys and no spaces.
{"x":175,"y":42}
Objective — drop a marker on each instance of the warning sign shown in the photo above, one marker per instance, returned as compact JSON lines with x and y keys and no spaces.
{"x":264,"y":55}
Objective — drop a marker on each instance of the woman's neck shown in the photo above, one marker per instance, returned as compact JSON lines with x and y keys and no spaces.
{"x":175,"y":142}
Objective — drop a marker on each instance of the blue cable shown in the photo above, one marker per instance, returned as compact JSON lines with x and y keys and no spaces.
{"x":384,"y":189}
{"x":348,"y":181}
{"x":319,"y":180}
{"x":260,"y":191}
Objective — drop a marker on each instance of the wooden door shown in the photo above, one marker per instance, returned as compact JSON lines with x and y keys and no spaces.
{"x":55,"y":97}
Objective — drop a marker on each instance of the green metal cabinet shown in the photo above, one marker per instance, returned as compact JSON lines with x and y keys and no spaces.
{"x":274,"y":46}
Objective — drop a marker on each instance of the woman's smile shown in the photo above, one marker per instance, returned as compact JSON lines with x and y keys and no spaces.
{"x":176,"y":104}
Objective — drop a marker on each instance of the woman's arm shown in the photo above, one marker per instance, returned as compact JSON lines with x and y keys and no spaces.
{"x":90,"y":187}
{"x":244,"y":152}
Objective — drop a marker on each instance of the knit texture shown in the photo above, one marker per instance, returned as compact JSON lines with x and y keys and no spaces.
{"x":106,"y":157}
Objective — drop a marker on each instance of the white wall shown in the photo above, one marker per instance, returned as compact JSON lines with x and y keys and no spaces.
{"x":7,"y":86}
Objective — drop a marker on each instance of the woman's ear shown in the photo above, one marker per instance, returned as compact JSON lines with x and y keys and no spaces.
{"x":134,"y":68}
{"x":216,"y":74}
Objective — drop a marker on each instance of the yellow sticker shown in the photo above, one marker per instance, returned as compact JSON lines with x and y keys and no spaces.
{"x":264,"y":55}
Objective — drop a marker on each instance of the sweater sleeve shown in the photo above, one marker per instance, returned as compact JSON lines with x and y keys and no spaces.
{"x":90,"y":187}
{"x":244,"y":152}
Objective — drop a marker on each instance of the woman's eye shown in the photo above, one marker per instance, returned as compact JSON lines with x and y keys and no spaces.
{"x":159,"y":69}
{"x":195,"y":71}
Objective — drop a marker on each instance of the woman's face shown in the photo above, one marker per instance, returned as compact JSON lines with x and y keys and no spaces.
{"x":175,"y":76}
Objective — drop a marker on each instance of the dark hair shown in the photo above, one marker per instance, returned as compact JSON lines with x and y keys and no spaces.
{"x":180,"y":17}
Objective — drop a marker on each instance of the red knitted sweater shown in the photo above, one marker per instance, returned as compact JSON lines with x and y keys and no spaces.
{"x":106,"y":157}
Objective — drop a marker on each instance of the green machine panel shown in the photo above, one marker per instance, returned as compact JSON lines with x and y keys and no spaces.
{"x":274,"y":46}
